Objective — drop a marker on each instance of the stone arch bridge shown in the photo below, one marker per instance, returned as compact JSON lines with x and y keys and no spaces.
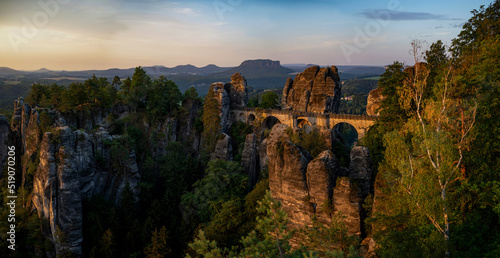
{"x":298,"y":119}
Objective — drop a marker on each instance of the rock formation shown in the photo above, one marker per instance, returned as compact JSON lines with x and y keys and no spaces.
{"x":314,"y":90}
{"x":319,"y":187}
{"x":361,"y":168}
{"x":224,"y":100}
{"x":231,"y":95}
{"x":321,"y":175}
{"x":263,"y":158}
{"x":238,"y":92}
{"x":374,"y":101}
{"x":223,"y":148}
{"x":347,"y":202}
{"x":250,"y":159}
{"x":63,"y":168}
{"x":287,"y":176}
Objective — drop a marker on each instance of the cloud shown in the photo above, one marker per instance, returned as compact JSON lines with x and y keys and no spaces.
{"x":186,"y":11}
{"x":385,"y":14}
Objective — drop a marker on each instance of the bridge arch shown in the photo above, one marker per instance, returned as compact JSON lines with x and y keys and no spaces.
{"x":241,"y":117}
{"x":269,"y":122}
{"x":346,"y":133}
{"x":250,"y":118}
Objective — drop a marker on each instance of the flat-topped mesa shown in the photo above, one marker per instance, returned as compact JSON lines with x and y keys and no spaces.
{"x":314,"y":90}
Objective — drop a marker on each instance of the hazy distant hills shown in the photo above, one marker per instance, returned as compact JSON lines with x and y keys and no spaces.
{"x":260,"y":74}
{"x":249,"y":68}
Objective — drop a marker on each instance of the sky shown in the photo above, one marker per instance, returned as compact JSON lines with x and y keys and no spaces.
{"x":102,"y":34}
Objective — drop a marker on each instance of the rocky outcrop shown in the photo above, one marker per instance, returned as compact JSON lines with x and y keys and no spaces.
{"x":361,"y":168}
{"x":64,"y":157}
{"x":263,"y":158}
{"x":374,"y":101}
{"x":318,"y":187}
{"x":223,"y":148}
{"x":287,"y":176}
{"x":238,"y":92}
{"x":250,"y":159}
{"x":347,"y":203}
{"x":224,"y":100}
{"x":314,"y":90}
{"x":231,"y":95}
{"x":65,"y":165}
{"x":321,"y":175}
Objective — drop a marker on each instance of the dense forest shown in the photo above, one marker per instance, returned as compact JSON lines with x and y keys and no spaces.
{"x":435,"y":148}
{"x":436,"y":144}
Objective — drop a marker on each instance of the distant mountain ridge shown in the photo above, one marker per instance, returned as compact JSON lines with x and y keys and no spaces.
{"x":156,"y":70}
{"x":248,"y":68}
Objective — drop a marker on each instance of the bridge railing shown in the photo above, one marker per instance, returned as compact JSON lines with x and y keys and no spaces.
{"x":316,"y":114}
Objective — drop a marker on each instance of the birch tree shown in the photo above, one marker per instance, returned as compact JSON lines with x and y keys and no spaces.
{"x":427,"y":153}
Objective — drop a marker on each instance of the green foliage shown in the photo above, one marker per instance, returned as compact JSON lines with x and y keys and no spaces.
{"x":46,"y":121}
{"x":358,"y":89}
{"x":119,"y":156}
{"x":329,"y":240}
{"x":211,"y":120}
{"x":191,"y":95}
{"x":271,"y":236}
{"x":311,"y":140}
{"x":95,"y":91}
{"x":436,"y":55}
{"x":163,"y":97}
{"x":37,"y":93}
{"x":158,"y":247}
{"x":222,"y":181}
{"x":253,"y":101}
{"x":269,"y":100}
{"x":138,"y":87}
{"x":238,"y":132}
{"x":481,"y":26}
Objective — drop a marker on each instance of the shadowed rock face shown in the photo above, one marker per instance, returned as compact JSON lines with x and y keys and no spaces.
{"x":314,"y":90}
{"x":66,"y":171}
{"x":321,"y":175}
{"x":232,"y":95}
{"x":250,"y":159}
{"x":223,"y":148}
{"x":361,"y":168}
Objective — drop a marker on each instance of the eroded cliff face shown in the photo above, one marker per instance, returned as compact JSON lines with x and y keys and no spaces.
{"x":231,"y":95}
{"x":250,"y":159}
{"x":63,"y":163}
{"x":318,"y":187}
{"x":238,"y":91}
{"x":314,"y":90}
